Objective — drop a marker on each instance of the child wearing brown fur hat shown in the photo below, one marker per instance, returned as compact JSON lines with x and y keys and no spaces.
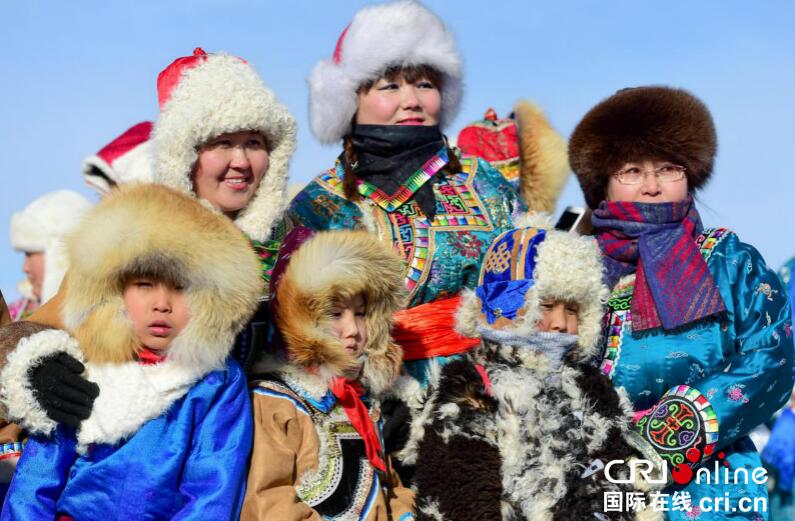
{"x":318,"y":447}
{"x":170,"y":433}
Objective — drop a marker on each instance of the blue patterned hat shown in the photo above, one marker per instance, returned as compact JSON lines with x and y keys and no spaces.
{"x":507,"y":273}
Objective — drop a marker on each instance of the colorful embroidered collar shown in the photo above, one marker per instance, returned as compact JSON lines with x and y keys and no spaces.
{"x":392,"y":202}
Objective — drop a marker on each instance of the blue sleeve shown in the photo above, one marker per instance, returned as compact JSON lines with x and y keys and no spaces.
{"x":214,"y":477}
{"x":757,"y":377}
{"x":40,"y":477}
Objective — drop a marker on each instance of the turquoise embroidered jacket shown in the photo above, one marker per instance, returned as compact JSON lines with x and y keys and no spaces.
{"x":443,"y":256}
{"x":732,"y":372}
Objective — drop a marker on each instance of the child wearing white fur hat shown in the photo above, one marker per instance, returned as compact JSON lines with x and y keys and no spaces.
{"x":523,"y":427}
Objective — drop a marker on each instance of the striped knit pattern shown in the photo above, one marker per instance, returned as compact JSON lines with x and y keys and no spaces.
{"x":673,"y":285}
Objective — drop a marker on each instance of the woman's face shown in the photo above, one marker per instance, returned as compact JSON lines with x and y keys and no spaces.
{"x":229,"y":170}
{"x":398,"y":102}
{"x":650,"y":189}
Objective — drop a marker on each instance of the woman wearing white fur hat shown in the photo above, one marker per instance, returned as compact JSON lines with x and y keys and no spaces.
{"x":38,"y":232}
{"x":393,"y":84}
{"x":223,"y":138}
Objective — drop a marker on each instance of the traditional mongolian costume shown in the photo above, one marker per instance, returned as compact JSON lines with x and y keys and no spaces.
{"x":318,"y":449}
{"x":698,"y":328}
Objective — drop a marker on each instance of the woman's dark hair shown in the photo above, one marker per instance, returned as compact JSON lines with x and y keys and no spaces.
{"x":412,"y":74}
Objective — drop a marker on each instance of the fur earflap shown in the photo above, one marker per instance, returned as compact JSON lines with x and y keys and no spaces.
{"x":157,"y":231}
{"x":396,"y":33}
{"x":642,"y":123}
{"x":341,"y":264}
{"x":568,"y":267}
{"x":224,"y":94}
{"x":543,"y":159}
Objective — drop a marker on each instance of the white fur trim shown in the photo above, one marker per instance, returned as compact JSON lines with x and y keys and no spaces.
{"x":224,"y":94}
{"x":135,"y":165}
{"x":533,"y":220}
{"x":402,"y":33}
{"x":130,"y":395}
{"x":409,"y":391}
{"x":15,"y":391}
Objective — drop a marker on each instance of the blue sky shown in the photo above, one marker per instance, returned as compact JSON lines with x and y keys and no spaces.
{"x":77,"y":73}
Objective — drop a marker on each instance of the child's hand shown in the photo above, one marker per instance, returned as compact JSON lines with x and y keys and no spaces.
{"x":62,"y":392}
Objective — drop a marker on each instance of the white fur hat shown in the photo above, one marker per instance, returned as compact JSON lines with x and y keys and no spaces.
{"x":524,"y":266}
{"x":206,"y":95}
{"x":41,"y":227}
{"x":380,"y":36}
{"x":127,"y":158}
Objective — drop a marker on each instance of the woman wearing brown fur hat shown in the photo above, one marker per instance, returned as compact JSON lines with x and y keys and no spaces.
{"x":318,"y":447}
{"x":697,"y":328}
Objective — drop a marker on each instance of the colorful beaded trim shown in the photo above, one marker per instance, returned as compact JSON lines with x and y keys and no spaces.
{"x":709,"y":238}
{"x":683,"y":419}
{"x":391,"y":202}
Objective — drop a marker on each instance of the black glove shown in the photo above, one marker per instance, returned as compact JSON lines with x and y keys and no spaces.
{"x":61,"y":391}
{"x":397,"y":424}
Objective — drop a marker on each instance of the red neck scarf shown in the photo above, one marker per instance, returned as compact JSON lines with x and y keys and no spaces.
{"x":148,"y":356}
{"x":348,"y":393}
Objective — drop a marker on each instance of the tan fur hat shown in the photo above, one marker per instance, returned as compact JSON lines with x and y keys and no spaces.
{"x":315,"y":269}
{"x":642,"y":123}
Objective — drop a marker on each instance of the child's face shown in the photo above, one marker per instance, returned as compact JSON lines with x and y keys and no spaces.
{"x":158,"y":311}
{"x":558,"y":316}
{"x":348,"y":319}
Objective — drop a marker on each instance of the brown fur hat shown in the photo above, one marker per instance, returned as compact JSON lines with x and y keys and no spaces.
{"x":642,"y":123}
{"x":156,"y":231}
{"x":340,"y":264}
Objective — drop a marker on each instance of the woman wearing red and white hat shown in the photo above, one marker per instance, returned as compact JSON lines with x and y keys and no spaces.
{"x":221,"y":137}
{"x":393,"y":83}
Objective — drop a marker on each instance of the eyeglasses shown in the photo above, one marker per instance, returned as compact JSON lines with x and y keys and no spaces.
{"x":665,"y":174}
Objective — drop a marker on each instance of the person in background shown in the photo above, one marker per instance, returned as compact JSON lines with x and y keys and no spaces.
{"x":38,"y":232}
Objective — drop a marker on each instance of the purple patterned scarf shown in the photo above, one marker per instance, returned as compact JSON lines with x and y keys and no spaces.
{"x":673,"y":285}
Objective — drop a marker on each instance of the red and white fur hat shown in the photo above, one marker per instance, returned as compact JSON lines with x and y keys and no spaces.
{"x":125,"y":159}
{"x":380,"y":36}
{"x":205,"y":95}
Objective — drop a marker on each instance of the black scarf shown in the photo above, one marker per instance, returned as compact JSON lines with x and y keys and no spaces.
{"x":387,"y":155}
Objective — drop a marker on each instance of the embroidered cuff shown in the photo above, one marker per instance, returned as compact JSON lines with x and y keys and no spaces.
{"x":682,"y":427}
{"x":16,"y":393}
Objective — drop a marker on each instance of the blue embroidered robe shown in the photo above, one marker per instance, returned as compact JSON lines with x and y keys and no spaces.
{"x":735,"y":371}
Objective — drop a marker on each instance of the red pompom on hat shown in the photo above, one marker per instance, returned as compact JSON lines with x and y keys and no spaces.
{"x":127,"y":158}
{"x":203,"y":96}
{"x":380,"y":36}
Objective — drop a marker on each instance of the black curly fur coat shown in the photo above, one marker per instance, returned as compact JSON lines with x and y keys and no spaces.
{"x":519,"y":449}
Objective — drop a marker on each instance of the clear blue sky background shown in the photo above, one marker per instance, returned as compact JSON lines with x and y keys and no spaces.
{"x":75,"y":74}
